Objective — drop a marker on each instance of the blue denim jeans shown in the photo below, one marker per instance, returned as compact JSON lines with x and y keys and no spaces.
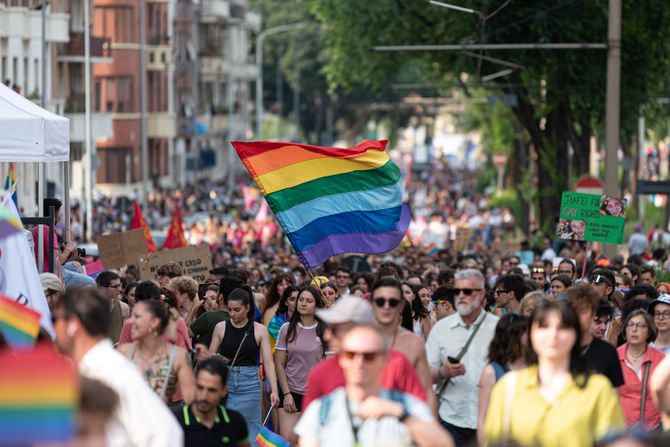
{"x":244,"y":396}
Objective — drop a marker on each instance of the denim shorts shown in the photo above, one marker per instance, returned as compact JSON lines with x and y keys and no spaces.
{"x":244,"y":396}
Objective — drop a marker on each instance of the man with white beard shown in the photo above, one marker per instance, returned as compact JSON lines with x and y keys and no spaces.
{"x":457,"y":350}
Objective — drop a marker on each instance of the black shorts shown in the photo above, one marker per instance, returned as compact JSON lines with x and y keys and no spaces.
{"x":297,"y":398}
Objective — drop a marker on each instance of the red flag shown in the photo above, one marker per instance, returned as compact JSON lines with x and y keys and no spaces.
{"x":175,"y":237}
{"x":140,"y":222}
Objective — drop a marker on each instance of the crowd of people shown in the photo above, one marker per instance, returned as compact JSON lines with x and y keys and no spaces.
{"x":418,"y":349}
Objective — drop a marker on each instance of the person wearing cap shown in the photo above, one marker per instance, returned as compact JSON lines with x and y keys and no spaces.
{"x":363,"y":412}
{"x":660,"y":310}
{"x":603,"y":282}
{"x":53,"y":288}
{"x":346,"y":313}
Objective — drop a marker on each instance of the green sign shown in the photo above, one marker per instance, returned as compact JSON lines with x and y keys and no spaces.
{"x":590,"y":217}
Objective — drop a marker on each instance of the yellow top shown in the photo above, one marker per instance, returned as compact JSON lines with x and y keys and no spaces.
{"x":576,"y":418}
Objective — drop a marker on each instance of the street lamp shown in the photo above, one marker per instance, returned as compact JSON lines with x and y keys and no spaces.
{"x":259,"y":66}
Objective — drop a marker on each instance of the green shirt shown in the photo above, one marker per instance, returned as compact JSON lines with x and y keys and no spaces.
{"x":203,"y":327}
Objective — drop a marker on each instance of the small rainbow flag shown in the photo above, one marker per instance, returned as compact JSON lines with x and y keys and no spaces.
{"x":431,"y":250}
{"x":19,"y":324}
{"x":330,"y":200}
{"x":268,"y":438}
{"x":38,"y":398}
{"x":10,"y":180}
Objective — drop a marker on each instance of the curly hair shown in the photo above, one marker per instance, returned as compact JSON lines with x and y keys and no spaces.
{"x":184,"y":284}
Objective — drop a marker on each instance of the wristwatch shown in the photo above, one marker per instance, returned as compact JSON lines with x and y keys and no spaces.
{"x":403,"y":417}
{"x":440,"y":374}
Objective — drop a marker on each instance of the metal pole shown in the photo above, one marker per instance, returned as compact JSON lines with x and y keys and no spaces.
{"x":280,"y":97}
{"x":143,"y":112}
{"x":231,"y":105}
{"x":612,"y":103}
{"x":494,"y":46}
{"x":66,"y":193}
{"x":40,"y":165}
{"x":259,"y":67}
{"x":259,"y":84}
{"x":88,"y":177}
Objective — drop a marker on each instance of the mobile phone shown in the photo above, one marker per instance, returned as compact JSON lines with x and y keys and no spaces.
{"x":453,"y":360}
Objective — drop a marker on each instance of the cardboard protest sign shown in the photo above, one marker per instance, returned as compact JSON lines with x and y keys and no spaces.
{"x":589,"y":217}
{"x":194,"y":261}
{"x":119,"y":249}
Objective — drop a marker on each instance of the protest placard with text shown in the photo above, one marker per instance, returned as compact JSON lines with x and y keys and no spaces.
{"x":194,"y":262}
{"x":590,"y":217}
{"x":119,"y":249}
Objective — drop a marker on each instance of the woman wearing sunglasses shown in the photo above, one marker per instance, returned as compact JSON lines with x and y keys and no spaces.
{"x":554,"y":402}
{"x":329,"y":293}
{"x":300,"y":346}
{"x":638,"y":362}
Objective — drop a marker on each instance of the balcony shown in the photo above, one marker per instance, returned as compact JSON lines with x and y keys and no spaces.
{"x":214,"y":10}
{"x":18,"y":21}
{"x":101,"y":123}
{"x":100,"y":48}
{"x":161,"y":125}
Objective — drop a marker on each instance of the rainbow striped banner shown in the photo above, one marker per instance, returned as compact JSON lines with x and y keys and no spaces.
{"x":329,"y":200}
{"x":268,"y":438}
{"x":38,"y":397}
{"x":19,"y":324}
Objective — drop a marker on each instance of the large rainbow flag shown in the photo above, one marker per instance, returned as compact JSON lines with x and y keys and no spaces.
{"x":38,"y":398}
{"x":329,"y":200}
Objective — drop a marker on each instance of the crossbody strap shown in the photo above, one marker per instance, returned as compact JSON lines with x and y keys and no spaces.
{"x":645,"y":380}
{"x":246,"y":333}
{"x":461,"y":354}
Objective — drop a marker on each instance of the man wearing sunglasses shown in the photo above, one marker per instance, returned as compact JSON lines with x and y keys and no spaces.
{"x":387,"y":304}
{"x":443,"y":302}
{"x":109,"y":286}
{"x":508,"y":292}
{"x":363,"y":412}
{"x":603,"y":281}
{"x":459,"y":363}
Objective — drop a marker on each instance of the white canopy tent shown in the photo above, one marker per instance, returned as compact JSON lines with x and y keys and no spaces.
{"x":29,"y":133}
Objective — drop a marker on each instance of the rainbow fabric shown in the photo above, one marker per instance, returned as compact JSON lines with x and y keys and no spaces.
{"x":19,"y":324}
{"x":329,"y":200}
{"x":38,"y":396}
{"x":268,"y":438}
{"x":10,"y":180}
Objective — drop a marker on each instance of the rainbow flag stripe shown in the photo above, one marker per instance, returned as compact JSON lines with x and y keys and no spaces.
{"x":38,"y":397}
{"x":268,"y":438}
{"x":19,"y":324}
{"x":329,"y":200}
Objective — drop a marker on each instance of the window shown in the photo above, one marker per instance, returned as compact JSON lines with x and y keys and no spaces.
{"x":116,"y":23}
{"x":116,"y":93}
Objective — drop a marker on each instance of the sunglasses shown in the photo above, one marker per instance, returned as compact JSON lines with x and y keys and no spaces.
{"x":499,"y":291}
{"x":381,"y":301}
{"x":366,"y":356}
{"x":599,"y":279}
{"x":537,"y":270}
{"x":466,"y":292}
{"x":329,"y":292}
{"x":440,"y":302}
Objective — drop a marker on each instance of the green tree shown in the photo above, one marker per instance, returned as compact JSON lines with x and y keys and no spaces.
{"x":560,"y":94}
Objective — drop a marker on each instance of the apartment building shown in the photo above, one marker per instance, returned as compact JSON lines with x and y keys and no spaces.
{"x":116,"y":90}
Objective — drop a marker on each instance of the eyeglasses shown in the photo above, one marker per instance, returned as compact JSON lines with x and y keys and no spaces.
{"x":640,"y":326}
{"x":366,"y":356}
{"x":466,"y":292}
{"x":662,"y":315}
{"x":497,"y":292}
{"x":328,"y":292}
{"x":537,"y":270}
{"x":381,"y":301}
{"x":115,"y":286}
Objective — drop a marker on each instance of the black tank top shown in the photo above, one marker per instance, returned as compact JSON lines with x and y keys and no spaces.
{"x":231,"y":341}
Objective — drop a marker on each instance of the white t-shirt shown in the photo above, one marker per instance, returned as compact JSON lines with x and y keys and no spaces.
{"x":332,"y":427}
